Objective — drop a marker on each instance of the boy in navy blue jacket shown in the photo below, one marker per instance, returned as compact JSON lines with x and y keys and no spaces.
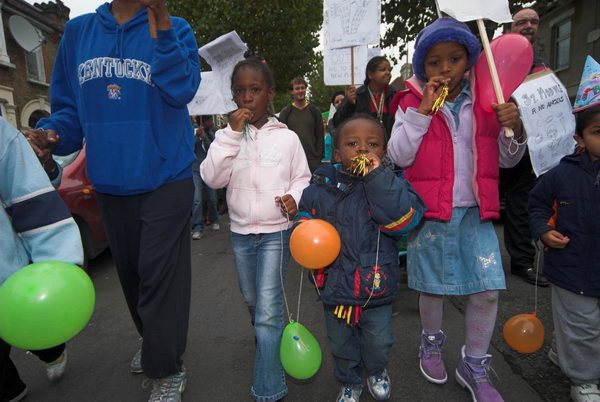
{"x":357,"y":289}
{"x":564,"y":210}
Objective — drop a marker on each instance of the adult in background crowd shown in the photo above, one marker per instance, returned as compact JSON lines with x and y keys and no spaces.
{"x":373,"y":97}
{"x":517,"y":182}
{"x":139,"y":143}
{"x":205,"y":135}
{"x":304,"y":118}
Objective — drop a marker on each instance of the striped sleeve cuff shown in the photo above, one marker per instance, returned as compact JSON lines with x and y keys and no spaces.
{"x":404,"y":224}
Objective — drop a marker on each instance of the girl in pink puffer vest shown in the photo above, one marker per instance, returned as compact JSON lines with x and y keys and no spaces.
{"x":452,"y":158}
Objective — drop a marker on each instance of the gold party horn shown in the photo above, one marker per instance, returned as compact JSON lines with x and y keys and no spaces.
{"x":359,"y":165}
{"x":439,"y":102}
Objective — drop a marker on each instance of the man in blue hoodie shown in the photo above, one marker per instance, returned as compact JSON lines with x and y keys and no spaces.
{"x":125,"y":94}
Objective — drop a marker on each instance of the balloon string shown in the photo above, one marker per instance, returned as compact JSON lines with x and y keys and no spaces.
{"x":538,"y":252}
{"x":377,"y":265}
{"x":287,"y":307}
{"x":300,"y":294}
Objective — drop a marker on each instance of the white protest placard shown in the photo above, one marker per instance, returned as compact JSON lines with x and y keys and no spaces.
{"x":336,"y":65}
{"x":547,"y":118}
{"x":204,"y":102}
{"x":373,"y":52}
{"x":462,"y":10}
{"x":352,"y":22}
{"x":222,"y":54}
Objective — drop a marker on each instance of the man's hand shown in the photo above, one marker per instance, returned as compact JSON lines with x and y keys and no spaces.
{"x":288,"y":205}
{"x":351,"y":94}
{"x":159,"y":7}
{"x":42,"y":142}
{"x":554,"y":239}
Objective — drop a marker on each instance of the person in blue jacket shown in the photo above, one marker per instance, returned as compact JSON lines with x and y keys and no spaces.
{"x":125,"y":95}
{"x":35,"y":226}
{"x":358,"y":288}
{"x":564,"y":211}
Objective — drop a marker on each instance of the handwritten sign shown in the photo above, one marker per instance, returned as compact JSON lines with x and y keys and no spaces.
{"x":352,"y":22}
{"x":495,"y":10}
{"x":547,"y":118}
{"x":214,"y":96}
{"x":337,"y":62}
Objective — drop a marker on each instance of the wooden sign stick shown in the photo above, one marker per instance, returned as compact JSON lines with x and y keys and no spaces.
{"x":495,"y":80}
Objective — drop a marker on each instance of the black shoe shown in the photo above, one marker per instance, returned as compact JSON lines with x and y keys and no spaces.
{"x":529,"y":276}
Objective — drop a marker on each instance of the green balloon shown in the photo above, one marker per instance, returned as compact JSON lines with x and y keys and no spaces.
{"x":300,"y":352}
{"x":45,"y":304}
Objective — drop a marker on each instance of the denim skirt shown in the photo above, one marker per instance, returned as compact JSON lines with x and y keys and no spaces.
{"x":459,"y":257}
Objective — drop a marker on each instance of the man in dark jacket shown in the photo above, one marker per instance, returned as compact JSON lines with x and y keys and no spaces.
{"x":306,"y":121}
{"x":517,"y":182}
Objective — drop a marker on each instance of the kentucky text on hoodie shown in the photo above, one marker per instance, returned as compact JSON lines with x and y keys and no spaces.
{"x":125,"y":94}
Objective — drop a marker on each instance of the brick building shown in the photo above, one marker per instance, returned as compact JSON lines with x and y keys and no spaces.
{"x":569,"y":31}
{"x":25,"y":76}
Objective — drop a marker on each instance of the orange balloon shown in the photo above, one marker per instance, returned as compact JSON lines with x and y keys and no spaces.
{"x":315,"y":243}
{"x":524,"y":333}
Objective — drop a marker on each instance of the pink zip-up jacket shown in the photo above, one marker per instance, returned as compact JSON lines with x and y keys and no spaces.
{"x":449,"y":165}
{"x":269,"y":162}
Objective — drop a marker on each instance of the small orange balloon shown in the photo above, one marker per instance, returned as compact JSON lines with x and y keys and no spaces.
{"x":315,"y":244}
{"x":524,"y":333}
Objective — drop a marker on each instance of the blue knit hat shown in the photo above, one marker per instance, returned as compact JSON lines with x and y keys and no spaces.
{"x":444,"y":30}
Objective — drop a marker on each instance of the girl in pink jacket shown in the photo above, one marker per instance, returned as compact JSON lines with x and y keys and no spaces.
{"x":264,"y":167}
{"x":451,"y":157}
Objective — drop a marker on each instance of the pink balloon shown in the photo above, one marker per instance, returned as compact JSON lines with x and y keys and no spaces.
{"x":513,"y":56}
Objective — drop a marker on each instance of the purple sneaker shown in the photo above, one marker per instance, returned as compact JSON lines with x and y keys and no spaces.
{"x":473,"y":373}
{"x":430,"y":358}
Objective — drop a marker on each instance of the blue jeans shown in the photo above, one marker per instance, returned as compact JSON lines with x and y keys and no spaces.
{"x":361,"y":350}
{"x":259,"y":259}
{"x":197,"y":211}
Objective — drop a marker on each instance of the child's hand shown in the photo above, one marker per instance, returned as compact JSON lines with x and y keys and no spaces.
{"x":375,"y":162}
{"x":508,"y":115}
{"x":351,"y":94}
{"x":431,"y":92}
{"x":238,"y":117}
{"x":288,"y":205}
{"x":554,"y":239}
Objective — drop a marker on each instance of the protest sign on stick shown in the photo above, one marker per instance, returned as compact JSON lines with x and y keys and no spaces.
{"x":547,"y":118}
{"x":214,"y":96}
{"x":337,"y":65}
{"x":352,"y":22}
{"x":495,"y":10}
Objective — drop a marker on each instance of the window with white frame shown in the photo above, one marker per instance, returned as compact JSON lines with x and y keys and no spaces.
{"x":35,"y":65}
{"x":561,"y":44}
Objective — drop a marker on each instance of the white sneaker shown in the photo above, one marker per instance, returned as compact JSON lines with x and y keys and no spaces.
{"x":215,"y":226}
{"x":349,"y":394}
{"x":56,"y":369}
{"x":197,"y":235}
{"x":585,"y":393}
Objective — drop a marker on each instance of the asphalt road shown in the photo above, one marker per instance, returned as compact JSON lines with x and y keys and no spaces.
{"x":220,"y":351}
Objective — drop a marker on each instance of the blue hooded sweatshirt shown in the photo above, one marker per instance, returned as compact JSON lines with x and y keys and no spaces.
{"x":127,"y":95}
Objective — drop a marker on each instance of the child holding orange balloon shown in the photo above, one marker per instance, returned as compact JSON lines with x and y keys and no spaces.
{"x":369,"y":210}
{"x":263,"y":166}
{"x":451,"y":156}
{"x":564,"y":214}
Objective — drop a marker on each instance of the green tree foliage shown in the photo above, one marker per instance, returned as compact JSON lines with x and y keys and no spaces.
{"x":285,"y":33}
{"x":406,"y":18}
